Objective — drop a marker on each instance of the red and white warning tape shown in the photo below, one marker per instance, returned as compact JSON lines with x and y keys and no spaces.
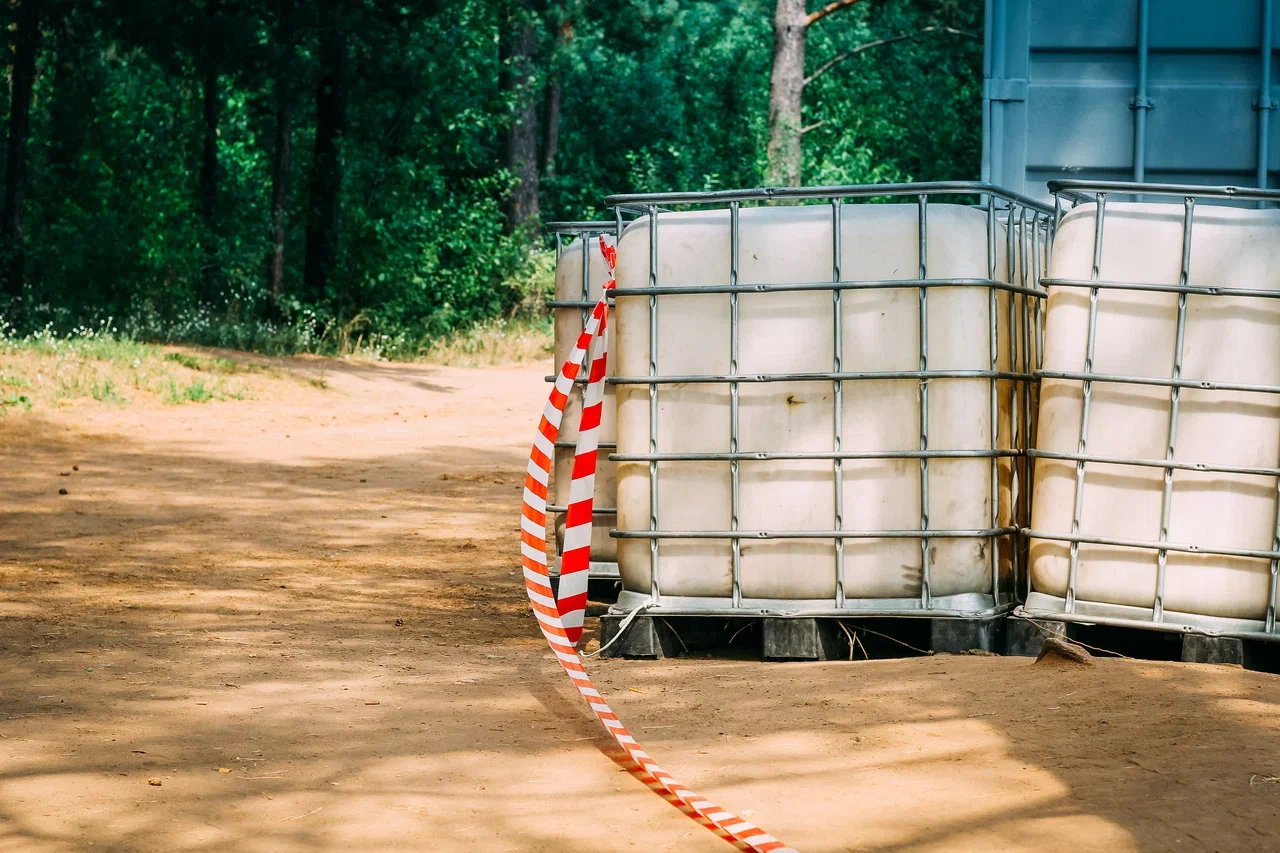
{"x":561,"y":621}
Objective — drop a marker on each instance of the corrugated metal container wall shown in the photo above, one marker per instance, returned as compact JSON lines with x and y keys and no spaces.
{"x":1174,"y":91}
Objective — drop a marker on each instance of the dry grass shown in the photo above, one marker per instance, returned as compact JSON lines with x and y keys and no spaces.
{"x":45,"y":369}
{"x":493,"y":342}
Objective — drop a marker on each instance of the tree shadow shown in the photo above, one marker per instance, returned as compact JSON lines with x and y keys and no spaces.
{"x":350,"y":639}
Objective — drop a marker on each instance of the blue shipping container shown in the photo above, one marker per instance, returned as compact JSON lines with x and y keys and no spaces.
{"x":1147,"y":90}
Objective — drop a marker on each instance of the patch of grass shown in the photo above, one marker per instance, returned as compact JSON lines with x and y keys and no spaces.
{"x":501,"y":341}
{"x":213,"y":364}
{"x":14,"y":400}
{"x":104,"y":391}
{"x":98,"y":364}
{"x":195,"y":392}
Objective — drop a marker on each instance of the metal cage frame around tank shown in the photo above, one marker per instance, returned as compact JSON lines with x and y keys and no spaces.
{"x":1029,"y":226}
{"x":583,"y":230}
{"x":1074,"y":609}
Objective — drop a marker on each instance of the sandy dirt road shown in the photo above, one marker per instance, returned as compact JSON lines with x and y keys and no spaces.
{"x":301,"y":615}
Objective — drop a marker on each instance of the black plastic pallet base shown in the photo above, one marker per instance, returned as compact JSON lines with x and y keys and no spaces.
{"x":1026,"y":637}
{"x":798,"y":638}
{"x":1198,"y":648}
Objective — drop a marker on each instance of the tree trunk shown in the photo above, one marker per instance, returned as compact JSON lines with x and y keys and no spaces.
{"x":209,"y":188}
{"x":23,"y":79}
{"x":520,"y":142}
{"x":66,"y":118}
{"x":786,"y":86}
{"x":551,"y":118}
{"x":551,"y":144}
{"x":326,"y":169}
{"x":280,"y":164}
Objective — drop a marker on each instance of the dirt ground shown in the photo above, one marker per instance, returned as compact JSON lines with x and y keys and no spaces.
{"x":301,"y":615}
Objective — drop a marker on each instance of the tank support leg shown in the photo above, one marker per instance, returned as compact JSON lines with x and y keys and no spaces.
{"x":645,"y":637}
{"x":801,"y":639}
{"x":1199,"y":648}
{"x":962,"y":635}
{"x":1024,"y":638}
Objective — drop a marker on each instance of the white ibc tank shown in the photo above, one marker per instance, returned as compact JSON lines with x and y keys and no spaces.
{"x":568,"y":325}
{"x":793,"y":332}
{"x":1227,"y":339}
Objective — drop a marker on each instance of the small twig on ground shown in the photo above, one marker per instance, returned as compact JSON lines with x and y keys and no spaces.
{"x":298,"y":816}
{"x":674,"y":631}
{"x":1077,"y":642}
{"x":896,"y":640}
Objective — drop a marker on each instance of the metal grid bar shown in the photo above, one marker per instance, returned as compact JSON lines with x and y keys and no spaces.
{"x":770,"y":456}
{"x":922,"y":202}
{"x":735,"y":482}
{"x":1194,"y":290}
{"x":1166,"y":499}
{"x":725,"y":378}
{"x":653,"y":402}
{"x":1030,"y":270}
{"x":1014,"y":266}
{"x":933,"y":533}
{"x":586,"y":285}
{"x":580,"y":229}
{"x":1202,"y":384}
{"x":603,"y":445}
{"x":1148,"y":545}
{"x":1275,"y":567}
{"x":1085,"y":191}
{"x":993,"y":347}
{"x":824,"y":193}
{"x":837,"y":425}
{"x":1083,"y":445}
{"x":1154,"y":463}
{"x":883,"y":284}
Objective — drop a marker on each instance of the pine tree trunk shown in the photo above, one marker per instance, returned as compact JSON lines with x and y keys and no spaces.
{"x":551,"y":116}
{"x":66,"y":120}
{"x":786,"y":85}
{"x":520,"y":143}
{"x":326,"y":169}
{"x":551,"y":143}
{"x":280,"y":164}
{"x":209,"y":189}
{"x":15,"y":185}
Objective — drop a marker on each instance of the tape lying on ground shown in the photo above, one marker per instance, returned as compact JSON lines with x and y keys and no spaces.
{"x":561,"y":622}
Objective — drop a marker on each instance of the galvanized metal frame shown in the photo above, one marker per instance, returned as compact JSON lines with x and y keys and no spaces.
{"x":1001,"y":207}
{"x":1158,"y":617}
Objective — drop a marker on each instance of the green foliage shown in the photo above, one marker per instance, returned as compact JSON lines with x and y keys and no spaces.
{"x":101,"y":364}
{"x":656,"y":95}
{"x":193,"y":392}
{"x":14,"y":400}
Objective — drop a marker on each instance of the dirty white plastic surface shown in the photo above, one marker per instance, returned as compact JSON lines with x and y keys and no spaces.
{"x":793,"y":332}
{"x":1227,"y":339}
{"x":568,"y":326}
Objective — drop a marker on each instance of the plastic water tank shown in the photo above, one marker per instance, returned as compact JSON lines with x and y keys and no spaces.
{"x":793,"y":332}
{"x":571,"y":287}
{"x":1226,"y":339}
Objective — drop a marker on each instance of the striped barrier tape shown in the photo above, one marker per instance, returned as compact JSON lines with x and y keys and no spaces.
{"x":561,"y":621}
